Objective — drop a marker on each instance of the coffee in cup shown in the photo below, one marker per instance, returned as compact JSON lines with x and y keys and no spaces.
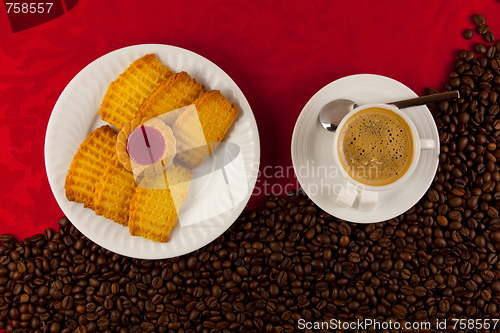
{"x":375,"y":146}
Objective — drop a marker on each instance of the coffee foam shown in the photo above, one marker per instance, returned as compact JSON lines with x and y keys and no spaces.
{"x":376,"y":146}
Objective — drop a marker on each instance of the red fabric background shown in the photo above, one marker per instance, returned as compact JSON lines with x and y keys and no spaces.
{"x":279,"y":52}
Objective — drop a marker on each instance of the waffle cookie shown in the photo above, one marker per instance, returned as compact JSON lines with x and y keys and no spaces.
{"x":215,"y":114}
{"x":177,"y":91}
{"x":131,"y":89}
{"x":89,"y":164}
{"x":156,"y":201}
{"x":113,"y":192}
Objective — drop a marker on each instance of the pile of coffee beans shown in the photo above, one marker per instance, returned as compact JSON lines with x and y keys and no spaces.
{"x":482,"y":29}
{"x":279,"y":264}
{"x":289,"y":261}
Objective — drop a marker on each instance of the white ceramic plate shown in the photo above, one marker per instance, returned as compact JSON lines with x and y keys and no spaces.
{"x":312,"y":149}
{"x":75,"y":116}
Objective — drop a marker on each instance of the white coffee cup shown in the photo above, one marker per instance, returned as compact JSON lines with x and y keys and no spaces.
{"x":369,"y":193}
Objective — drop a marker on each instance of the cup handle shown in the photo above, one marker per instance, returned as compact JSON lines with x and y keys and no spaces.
{"x":427,"y":144}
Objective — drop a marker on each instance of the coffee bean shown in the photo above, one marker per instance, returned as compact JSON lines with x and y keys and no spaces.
{"x":433,"y":195}
{"x":344,"y":229}
{"x":495,"y":236}
{"x":135,"y":329}
{"x":283,"y":276}
{"x":147,"y":326}
{"x":442,"y":220}
{"x":55,"y":327}
{"x":407,"y":290}
{"x":344,"y":241}
{"x":21,"y":267}
{"x":468,"y":34}
{"x":480,"y":48}
{"x":487,"y":275}
{"x":131,"y":289}
{"x":483,"y":29}
{"x":479,"y":19}
{"x":15,"y":256}
{"x":354,"y":257}
{"x":490,"y":53}
{"x":489,"y":37}
{"x":5,"y":238}
{"x":323,"y":239}
{"x":4,"y":260}
{"x":399,"y":311}
{"x":67,"y":302}
{"x":492,"y":212}
{"x":376,"y":234}
{"x":455,"y":202}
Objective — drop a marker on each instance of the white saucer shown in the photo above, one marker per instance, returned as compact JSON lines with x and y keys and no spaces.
{"x":312,"y":149}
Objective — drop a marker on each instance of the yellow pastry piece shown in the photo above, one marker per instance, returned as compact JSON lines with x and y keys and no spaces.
{"x":124,"y":95}
{"x":121,"y":140}
{"x":89,"y":164}
{"x":156,"y":202}
{"x":216,"y":114}
{"x":114,"y":191}
{"x":177,"y":91}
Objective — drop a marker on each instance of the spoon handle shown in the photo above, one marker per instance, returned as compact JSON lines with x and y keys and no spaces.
{"x":426,"y":99}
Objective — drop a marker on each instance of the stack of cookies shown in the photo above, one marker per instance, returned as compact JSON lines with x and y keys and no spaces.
{"x":106,"y":173}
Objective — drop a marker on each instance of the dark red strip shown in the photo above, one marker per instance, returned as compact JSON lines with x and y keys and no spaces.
{"x":145,"y":135}
{"x":64,"y":6}
{"x":147,"y":144}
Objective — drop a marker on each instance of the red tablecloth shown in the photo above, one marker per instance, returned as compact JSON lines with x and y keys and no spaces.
{"x":278,"y":52}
